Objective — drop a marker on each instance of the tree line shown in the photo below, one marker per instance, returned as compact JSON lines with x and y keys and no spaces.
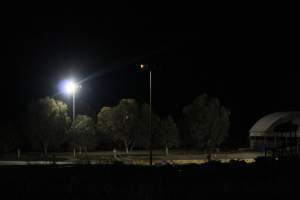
{"x":204,"y":124}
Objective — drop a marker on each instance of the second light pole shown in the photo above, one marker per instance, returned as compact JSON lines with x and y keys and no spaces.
{"x":149,"y":68}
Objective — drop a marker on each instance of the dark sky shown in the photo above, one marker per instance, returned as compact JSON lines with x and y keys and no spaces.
{"x":248,"y":61}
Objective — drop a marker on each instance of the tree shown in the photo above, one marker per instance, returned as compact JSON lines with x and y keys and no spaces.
{"x":119,"y":123}
{"x":104,"y":125}
{"x":82,"y":132}
{"x":48,"y":123}
{"x":9,"y":137}
{"x":142,"y":136}
{"x":125,"y":122}
{"x":206,"y":122}
{"x":169,"y":134}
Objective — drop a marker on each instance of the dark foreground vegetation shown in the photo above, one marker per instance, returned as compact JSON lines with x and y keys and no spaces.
{"x":141,"y":182}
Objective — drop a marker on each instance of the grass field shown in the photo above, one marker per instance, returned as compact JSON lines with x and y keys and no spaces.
{"x":137,"y":157}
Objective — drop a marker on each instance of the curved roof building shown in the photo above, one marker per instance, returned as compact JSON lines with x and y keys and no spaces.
{"x":275,"y":129}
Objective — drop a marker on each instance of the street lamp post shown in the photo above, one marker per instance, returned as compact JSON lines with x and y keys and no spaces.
{"x":74,"y":94}
{"x":70,"y":87}
{"x":149,"y":68}
{"x":150,"y":114}
{"x":74,"y":114}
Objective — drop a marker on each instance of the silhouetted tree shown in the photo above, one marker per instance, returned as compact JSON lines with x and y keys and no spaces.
{"x":168,"y":136}
{"x":82,"y":133}
{"x":142,"y":135}
{"x":119,"y":122}
{"x":9,"y":137}
{"x":104,"y":125}
{"x":127,"y":123}
{"x":48,"y":123}
{"x":206,"y":122}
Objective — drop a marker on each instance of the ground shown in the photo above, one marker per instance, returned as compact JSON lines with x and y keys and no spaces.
{"x":144,"y":182}
{"x":135,"y":157}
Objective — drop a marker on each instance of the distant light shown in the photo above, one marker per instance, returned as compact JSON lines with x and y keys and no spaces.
{"x":142,"y":66}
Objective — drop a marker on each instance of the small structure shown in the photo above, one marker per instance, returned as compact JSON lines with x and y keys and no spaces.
{"x":276,"y":131}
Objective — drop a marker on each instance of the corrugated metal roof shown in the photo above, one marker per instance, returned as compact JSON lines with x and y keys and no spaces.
{"x":268,"y":122}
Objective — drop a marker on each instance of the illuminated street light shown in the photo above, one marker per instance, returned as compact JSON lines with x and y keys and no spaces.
{"x":70,"y":87}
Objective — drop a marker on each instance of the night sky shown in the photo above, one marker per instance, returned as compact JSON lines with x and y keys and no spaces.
{"x":249,"y":63}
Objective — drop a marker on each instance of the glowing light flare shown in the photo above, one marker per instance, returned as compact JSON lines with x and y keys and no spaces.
{"x":69,"y":87}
